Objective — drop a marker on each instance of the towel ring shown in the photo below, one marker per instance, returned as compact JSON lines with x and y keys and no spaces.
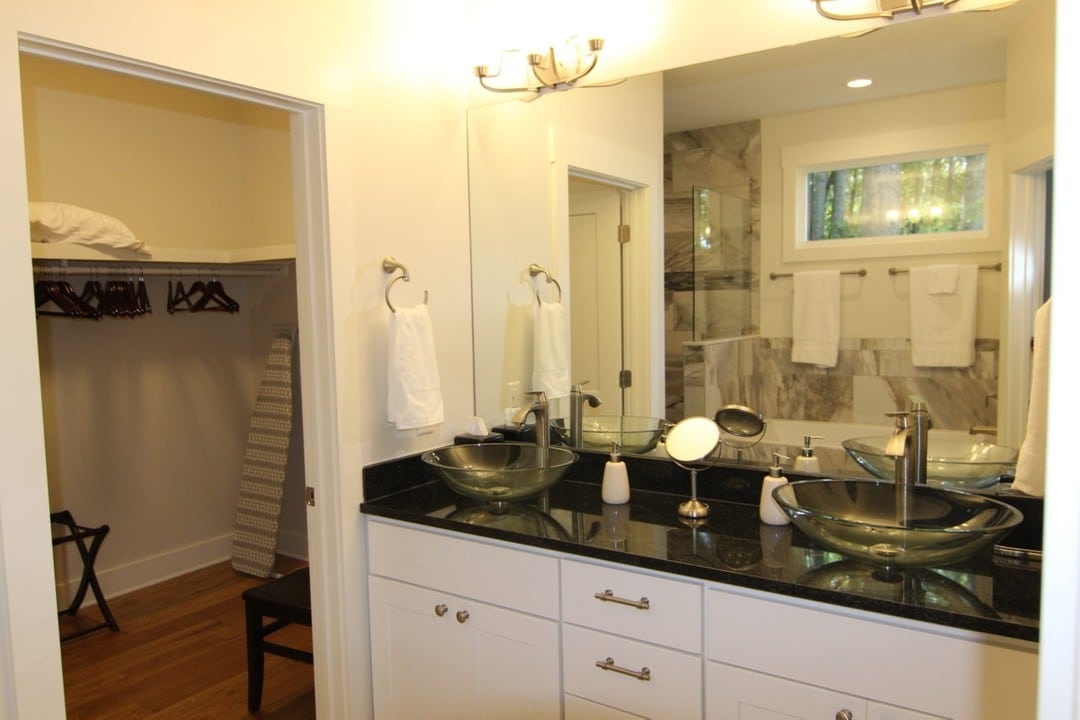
{"x":535,"y":270}
{"x":390,"y":265}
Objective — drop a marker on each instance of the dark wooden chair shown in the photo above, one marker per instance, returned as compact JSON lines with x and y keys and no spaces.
{"x":285,"y":601}
{"x":79,"y":535}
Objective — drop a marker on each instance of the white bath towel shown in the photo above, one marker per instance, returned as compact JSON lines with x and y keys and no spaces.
{"x":551,"y":361}
{"x":943,"y":323}
{"x":1031,"y":463}
{"x":815,"y":335}
{"x":414,"y":393}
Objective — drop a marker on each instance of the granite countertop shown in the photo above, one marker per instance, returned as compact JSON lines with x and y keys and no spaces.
{"x":987,"y":593}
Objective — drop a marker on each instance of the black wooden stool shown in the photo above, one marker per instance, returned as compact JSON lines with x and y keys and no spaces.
{"x":286,"y":600}
{"x":78,"y":534}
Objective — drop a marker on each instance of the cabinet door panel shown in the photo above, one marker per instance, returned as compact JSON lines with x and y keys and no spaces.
{"x":576,"y":708}
{"x":732,"y":693}
{"x":517,"y":663}
{"x":421,"y":661}
{"x":880,"y":711}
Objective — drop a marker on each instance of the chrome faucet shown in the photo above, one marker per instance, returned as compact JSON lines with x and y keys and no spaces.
{"x":539,"y":408}
{"x":578,"y":398}
{"x":908,"y":447}
{"x":908,"y":443}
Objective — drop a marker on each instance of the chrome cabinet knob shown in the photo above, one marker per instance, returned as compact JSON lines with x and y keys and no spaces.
{"x":441,"y":609}
{"x":844,"y":715}
{"x":462,"y":615}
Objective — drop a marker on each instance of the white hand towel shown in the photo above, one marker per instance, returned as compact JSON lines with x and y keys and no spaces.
{"x":414,"y":394}
{"x":943,"y":279}
{"x":815,"y":334}
{"x":943,"y":324}
{"x":551,"y":364}
{"x":1031,"y":463}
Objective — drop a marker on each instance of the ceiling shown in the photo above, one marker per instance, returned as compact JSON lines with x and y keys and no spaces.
{"x":910,"y":55}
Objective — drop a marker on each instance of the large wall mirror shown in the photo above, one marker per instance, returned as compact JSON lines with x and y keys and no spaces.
{"x":701,"y":296}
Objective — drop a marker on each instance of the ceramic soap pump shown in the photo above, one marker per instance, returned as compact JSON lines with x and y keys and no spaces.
{"x":807,"y":460}
{"x":768,"y":510}
{"x":615,"y":488}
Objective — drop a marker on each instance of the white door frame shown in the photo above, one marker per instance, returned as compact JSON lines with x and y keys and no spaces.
{"x":326,"y":552}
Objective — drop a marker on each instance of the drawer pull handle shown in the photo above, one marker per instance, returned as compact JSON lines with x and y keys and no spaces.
{"x":609,"y":664}
{"x":440,"y":609}
{"x":844,"y":715}
{"x":462,"y":615}
{"x":608,"y":596}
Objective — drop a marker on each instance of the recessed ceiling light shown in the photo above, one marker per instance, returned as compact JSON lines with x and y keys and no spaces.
{"x":860,"y":83}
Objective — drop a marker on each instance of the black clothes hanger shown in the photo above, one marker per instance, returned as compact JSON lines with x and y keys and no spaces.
{"x":179,"y":299}
{"x":52,"y":293}
{"x":215,"y":299}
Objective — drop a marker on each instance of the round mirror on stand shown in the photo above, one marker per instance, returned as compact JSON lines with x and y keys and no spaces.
{"x":740,"y":427}
{"x":689,"y":444}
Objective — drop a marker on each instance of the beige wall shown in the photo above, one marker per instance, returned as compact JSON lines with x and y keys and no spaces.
{"x":877,"y":306}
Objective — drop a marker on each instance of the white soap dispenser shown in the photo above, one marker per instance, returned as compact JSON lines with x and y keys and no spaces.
{"x":615,"y":488}
{"x":769,"y":512}
{"x":808,"y":461}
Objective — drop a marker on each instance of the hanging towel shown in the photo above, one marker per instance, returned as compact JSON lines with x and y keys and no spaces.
{"x":1031,"y":463}
{"x":262,"y":477}
{"x":414,"y":394}
{"x":551,"y":364}
{"x":815,"y":334}
{"x":943,"y":323}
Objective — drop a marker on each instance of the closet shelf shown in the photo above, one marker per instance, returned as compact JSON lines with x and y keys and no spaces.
{"x":165,"y":255}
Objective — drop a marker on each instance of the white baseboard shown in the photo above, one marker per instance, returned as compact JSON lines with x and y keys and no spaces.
{"x":152,"y":569}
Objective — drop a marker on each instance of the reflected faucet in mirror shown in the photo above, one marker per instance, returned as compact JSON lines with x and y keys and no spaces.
{"x":578,"y":398}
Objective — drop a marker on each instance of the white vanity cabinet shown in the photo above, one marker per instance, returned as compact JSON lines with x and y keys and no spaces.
{"x":461,"y":629}
{"x":778,"y":658}
{"x":631,"y":643}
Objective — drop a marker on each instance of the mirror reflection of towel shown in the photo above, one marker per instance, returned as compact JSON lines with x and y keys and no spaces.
{"x":815,"y":330}
{"x":1031,"y":462}
{"x":942,"y":322}
{"x":551,"y":362}
{"x":414,"y":393}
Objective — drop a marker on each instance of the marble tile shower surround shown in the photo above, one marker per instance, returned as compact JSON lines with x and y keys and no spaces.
{"x":872,"y":376}
{"x":725,"y":158}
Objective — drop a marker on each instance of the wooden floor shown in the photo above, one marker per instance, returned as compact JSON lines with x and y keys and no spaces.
{"x":180,"y":654}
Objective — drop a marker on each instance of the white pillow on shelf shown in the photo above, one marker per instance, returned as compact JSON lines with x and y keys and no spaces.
{"x":52,"y":222}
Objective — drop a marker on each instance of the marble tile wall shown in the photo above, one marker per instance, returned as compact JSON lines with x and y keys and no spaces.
{"x":726,"y":159}
{"x":872,"y":376}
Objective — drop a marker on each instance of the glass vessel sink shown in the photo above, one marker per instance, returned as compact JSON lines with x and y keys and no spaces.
{"x":634,"y":434}
{"x":498,"y":471}
{"x":950,"y":461}
{"x":860,"y":518}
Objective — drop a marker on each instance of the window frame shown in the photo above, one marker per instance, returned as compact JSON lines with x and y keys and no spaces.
{"x":798,"y":161}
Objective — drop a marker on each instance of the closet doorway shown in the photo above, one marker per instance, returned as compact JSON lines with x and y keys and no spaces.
{"x":147,"y":417}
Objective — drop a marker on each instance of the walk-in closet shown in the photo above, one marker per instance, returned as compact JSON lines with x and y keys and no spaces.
{"x":148,"y":405}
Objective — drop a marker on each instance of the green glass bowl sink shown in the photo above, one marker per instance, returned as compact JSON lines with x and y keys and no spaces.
{"x":498,"y":471}
{"x":635,"y":434}
{"x":859,"y":518}
{"x":950,"y":461}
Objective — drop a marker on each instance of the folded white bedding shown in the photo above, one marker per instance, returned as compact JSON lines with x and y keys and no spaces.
{"x":52,"y":222}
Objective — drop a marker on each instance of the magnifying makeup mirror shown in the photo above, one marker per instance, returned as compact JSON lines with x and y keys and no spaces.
{"x":689,"y":444}
{"x":740,"y":427}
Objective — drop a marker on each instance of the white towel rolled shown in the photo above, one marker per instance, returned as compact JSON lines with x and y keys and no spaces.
{"x":551,"y":361}
{"x":815,"y":331}
{"x":943,"y":304}
{"x":414,"y":393}
{"x":1031,"y":463}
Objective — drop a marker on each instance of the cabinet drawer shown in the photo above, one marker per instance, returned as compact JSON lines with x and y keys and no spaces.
{"x":673,"y":616}
{"x":513,"y":578}
{"x":575,"y":708}
{"x":672,"y":690}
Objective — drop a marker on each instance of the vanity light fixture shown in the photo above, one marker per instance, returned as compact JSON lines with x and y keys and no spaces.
{"x":880,"y":8}
{"x":559,"y":68}
{"x":860,"y":83}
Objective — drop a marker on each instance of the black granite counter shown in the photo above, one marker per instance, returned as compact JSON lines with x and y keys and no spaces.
{"x":987,"y":593}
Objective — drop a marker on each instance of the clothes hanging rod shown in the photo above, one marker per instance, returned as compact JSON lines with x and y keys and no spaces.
{"x":176,"y":270}
{"x":861,"y":272}
{"x":897,"y":271}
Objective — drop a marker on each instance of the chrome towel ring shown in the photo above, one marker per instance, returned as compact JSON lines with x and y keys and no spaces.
{"x":535,"y":270}
{"x":390,"y":265}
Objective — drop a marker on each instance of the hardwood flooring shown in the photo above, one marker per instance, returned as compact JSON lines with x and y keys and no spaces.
{"x":180,"y":654}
